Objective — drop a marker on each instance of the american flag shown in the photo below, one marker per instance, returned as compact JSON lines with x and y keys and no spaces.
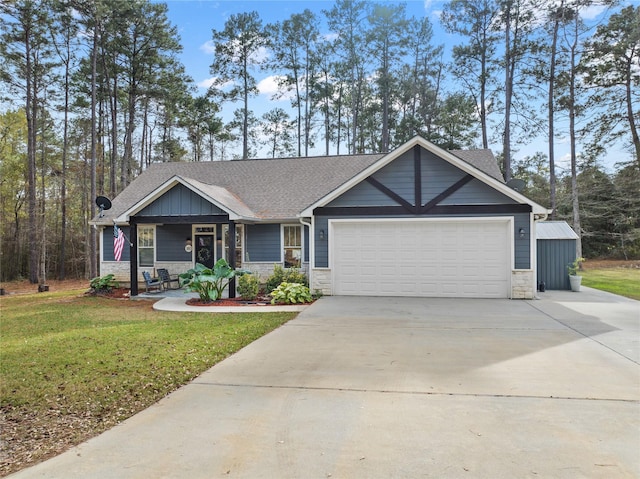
{"x":118,"y":242}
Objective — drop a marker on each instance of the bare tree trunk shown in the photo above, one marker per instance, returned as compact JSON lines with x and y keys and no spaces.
{"x":506,"y":139}
{"x":630,"y":113}
{"x":93,"y":266}
{"x":572,"y":135}
{"x":31,"y":112}
{"x":551,"y":106}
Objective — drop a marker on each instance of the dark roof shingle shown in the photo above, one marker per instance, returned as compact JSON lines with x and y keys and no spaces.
{"x":272,"y":188}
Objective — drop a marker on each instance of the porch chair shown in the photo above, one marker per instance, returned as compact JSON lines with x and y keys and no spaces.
{"x":167,"y":279}
{"x":153,"y":285}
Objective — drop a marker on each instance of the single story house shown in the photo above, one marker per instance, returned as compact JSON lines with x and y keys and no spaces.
{"x":418,"y":221}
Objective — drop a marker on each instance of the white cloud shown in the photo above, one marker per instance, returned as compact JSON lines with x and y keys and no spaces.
{"x":206,"y":83}
{"x":208,"y":47}
{"x":261,"y":55}
{"x":592,"y":12}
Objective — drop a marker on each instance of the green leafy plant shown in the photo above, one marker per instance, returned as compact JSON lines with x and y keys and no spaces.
{"x":576,"y":266}
{"x":248,"y":286}
{"x":291,"y":293}
{"x":288,"y":275}
{"x":103,"y":284}
{"x":209,"y":283}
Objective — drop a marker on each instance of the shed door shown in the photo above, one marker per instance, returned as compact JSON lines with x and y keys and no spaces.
{"x":442,"y":258}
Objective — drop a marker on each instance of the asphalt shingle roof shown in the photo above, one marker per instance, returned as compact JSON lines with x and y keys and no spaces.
{"x":270,"y":189}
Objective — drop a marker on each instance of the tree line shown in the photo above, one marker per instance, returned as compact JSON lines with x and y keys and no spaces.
{"x":93,"y":93}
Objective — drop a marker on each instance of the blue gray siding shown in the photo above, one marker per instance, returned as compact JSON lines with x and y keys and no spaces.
{"x":553,"y":257}
{"x":107,"y":244}
{"x":322,"y":246}
{"x":522,"y":246}
{"x":436,"y":176}
{"x":476,"y":193}
{"x":262,"y":243}
{"x":180,"y":201}
{"x":170,"y":241}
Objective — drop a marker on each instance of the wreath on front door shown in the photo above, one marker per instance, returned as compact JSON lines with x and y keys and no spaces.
{"x":204,"y":254}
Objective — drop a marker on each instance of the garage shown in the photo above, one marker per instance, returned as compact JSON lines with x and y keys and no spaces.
{"x":456,"y":257}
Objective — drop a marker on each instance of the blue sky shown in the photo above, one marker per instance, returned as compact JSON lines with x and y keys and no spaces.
{"x":195,"y":20}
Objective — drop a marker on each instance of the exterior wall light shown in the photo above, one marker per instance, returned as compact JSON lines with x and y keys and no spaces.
{"x":321,"y":236}
{"x":521,"y":233}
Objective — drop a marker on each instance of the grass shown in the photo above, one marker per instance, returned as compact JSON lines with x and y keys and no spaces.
{"x":72,"y":366}
{"x":622,"y":281}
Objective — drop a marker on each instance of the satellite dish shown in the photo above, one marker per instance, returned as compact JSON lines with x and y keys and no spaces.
{"x":516,"y":184}
{"x":103,"y":203}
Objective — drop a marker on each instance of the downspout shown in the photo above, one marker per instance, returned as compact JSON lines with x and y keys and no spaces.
{"x":312,"y":249}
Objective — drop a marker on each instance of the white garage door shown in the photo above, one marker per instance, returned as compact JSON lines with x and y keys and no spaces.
{"x":457,"y":258}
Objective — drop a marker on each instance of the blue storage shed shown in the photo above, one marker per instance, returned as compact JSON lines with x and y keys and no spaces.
{"x":557,"y":244}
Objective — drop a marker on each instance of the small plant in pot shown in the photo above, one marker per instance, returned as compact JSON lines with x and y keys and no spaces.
{"x":574,"y":279}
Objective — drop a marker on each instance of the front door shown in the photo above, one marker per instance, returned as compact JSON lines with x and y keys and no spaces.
{"x":205,"y":252}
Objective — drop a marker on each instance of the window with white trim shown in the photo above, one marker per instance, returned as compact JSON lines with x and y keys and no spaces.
{"x":146,"y":245}
{"x":292,"y":242}
{"x":239,"y":243}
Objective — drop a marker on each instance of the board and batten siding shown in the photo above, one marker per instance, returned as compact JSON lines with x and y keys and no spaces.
{"x":557,"y":244}
{"x":180,"y":201}
{"x":553,"y":258}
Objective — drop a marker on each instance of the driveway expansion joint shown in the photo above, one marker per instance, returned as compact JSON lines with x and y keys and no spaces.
{"x":414,"y":393}
{"x":584,"y":335}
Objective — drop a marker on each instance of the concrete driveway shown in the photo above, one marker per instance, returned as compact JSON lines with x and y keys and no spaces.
{"x":400,"y":388}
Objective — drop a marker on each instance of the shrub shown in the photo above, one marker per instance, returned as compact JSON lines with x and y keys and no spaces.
{"x":209,"y":283}
{"x":289,"y":275}
{"x":248,"y":286}
{"x":103,"y":284}
{"x":291,"y":293}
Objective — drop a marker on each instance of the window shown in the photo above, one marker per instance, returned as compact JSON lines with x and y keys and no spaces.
{"x":239,"y":236}
{"x":146,"y":251}
{"x":292,"y":246}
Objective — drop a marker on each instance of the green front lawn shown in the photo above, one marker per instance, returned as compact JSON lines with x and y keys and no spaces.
{"x":72,"y":366}
{"x":622,"y":281}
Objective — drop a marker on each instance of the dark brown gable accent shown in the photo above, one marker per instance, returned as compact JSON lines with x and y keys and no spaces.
{"x":391,"y":194}
{"x":446,"y":193}
{"x":182,"y":220}
{"x":434,"y":211}
{"x":417,"y":175}
{"x":418,"y":208}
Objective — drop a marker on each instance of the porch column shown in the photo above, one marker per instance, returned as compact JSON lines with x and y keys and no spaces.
{"x":232,"y":257}
{"x":133,"y":256}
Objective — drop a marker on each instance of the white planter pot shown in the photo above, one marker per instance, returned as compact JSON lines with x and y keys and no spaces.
{"x":575,"y":282}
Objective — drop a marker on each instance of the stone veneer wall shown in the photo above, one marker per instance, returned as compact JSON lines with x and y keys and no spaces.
{"x":264,"y":270}
{"x":522,"y":284}
{"x":321,"y":281}
{"x":120,"y":269}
